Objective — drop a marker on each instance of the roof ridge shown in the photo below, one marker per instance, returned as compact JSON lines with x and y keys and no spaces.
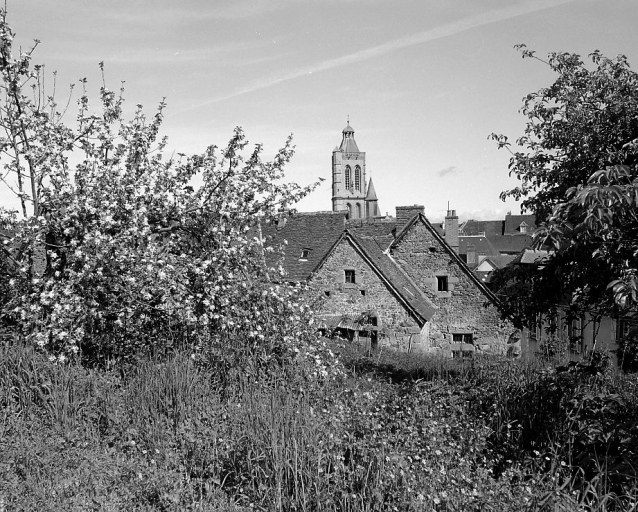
{"x":486,"y":291}
{"x":396,"y":287}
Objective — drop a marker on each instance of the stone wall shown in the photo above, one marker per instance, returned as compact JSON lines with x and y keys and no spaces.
{"x":368,"y":293}
{"x":462,"y":308}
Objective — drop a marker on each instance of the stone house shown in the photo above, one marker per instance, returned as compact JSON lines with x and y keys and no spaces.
{"x":394,"y":281}
{"x":467,"y":311}
{"x":397,"y":281}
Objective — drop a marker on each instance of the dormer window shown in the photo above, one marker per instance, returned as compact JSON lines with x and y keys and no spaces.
{"x":523,"y":227}
{"x":304,"y":254}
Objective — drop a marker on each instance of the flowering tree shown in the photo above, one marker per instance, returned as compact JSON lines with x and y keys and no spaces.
{"x":118,"y":250}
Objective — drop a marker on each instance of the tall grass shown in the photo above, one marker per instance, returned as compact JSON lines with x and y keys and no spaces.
{"x":396,"y":431}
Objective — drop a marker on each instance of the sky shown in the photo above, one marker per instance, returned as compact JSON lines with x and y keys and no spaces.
{"x":423,"y":82}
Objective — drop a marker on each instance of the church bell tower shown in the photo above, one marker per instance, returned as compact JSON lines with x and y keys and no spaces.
{"x":349,"y":177}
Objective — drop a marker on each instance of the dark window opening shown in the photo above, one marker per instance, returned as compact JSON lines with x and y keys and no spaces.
{"x":575,"y":334}
{"x":363,"y":292}
{"x":304,"y":254}
{"x":532,"y":328}
{"x":441,"y":283}
{"x":432,"y":249}
{"x":350,"y":276}
{"x":625,"y":328}
{"x":327,"y":293}
{"x":463,"y":338}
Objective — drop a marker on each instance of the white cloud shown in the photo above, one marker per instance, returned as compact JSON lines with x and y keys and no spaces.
{"x":447,"y":171}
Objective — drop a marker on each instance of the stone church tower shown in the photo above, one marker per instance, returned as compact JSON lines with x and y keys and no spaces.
{"x":350,"y":190}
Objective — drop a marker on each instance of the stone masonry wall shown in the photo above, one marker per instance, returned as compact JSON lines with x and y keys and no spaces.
{"x":347,"y":298}
{"x":461,"y":309}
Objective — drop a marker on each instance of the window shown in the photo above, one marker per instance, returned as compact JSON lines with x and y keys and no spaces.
{"x":349,"y":206}
{"x":357,"y":178}
{"x":625,"y":328}
{"x":358,"y":210}
{"x":575,"y":334}
{"x":523,"y":227}
{"x":363,"y":293}
{"x":327,"y":293}
{"x":348,"y":178}
{"x":441,"y":283}
{"x":304,"y":254}
{"x":464,"y":339}
{"x":349,"y":274}
{"x":532,"y":327}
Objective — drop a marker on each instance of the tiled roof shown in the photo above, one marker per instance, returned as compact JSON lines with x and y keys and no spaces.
{"x":317,"y":232}
{"x":349,"y":145}
{"x":398,"y":280}
{"x":477,"y":227}
{"x":481,"y":245}
{"x":382,"y":229}
{"x":513,"y":222}
{"x":500,"y":261}
{"x":511,"y":244}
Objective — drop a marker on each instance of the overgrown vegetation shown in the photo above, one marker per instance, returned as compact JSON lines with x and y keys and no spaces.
{"x":391,"y":433}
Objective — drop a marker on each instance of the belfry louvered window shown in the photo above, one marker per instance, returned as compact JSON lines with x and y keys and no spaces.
{"x":357,"y":178}
{"x":348,"y":178}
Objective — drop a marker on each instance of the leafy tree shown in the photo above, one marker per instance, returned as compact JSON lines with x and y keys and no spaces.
{"x":138,"y":251}
{"x":576,"y":161}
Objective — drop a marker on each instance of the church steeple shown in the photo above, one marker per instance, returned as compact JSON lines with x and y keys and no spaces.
{"x":348,"y":143}
{"x":372,"y":203}
{"x":349,"y":176}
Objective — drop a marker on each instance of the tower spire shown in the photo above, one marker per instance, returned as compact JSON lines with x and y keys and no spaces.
{"x":349,"y":181}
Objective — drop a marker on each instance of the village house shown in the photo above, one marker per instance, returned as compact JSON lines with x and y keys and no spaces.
{"x":573,"y":336}
{"x":396,"y":281}
{"x":488,"y":245}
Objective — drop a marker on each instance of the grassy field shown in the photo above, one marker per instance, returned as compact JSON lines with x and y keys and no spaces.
{"x":389,"y":432}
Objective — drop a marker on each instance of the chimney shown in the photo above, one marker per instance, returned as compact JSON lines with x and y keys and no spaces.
{"x":452,"y":230}
{"x":471,"y":256}
{"x":405,"y":213}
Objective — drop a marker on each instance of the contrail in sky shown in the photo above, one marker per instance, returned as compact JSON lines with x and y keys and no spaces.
{"x":449,"y":29}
